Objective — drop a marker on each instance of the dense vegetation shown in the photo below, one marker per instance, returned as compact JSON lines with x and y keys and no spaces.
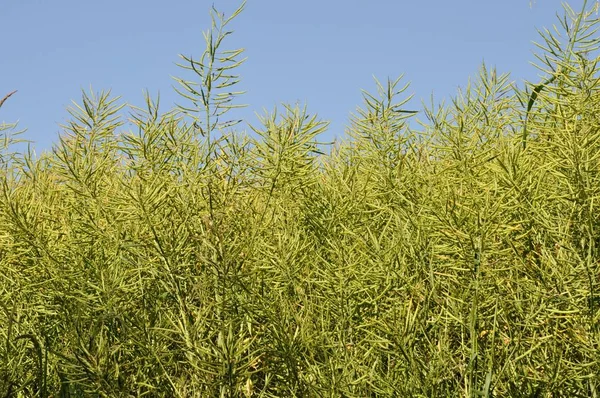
{"x":189,"y":259}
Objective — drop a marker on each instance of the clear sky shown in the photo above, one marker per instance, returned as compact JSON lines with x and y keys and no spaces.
{"x":316,"y":52}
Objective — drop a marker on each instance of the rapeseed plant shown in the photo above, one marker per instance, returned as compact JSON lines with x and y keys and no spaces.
{"x":187,"y":258}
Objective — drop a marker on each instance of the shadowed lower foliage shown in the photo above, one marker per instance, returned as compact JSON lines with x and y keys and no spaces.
{"x":189,"y":259}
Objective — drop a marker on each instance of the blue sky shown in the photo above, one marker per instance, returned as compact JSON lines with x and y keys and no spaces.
{"x":316,"y":52}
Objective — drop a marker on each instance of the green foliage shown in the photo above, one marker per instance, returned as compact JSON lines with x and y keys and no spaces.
{"x":188,"y":259}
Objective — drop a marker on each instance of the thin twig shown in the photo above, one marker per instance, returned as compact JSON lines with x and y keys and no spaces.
{"x":6,"y":97}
